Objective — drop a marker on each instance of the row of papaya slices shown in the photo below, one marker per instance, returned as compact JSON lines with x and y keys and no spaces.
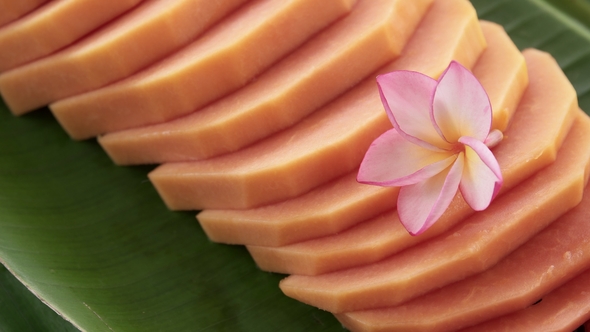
{"x":286,"y":107}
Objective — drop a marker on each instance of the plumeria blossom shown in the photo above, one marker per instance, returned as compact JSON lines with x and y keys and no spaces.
{"x":440,"y":143}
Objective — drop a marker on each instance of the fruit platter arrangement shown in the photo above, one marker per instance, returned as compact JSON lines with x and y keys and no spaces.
{"x":362,"y":165}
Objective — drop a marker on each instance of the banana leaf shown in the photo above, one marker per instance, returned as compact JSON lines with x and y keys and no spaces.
{"x":88,"y":245}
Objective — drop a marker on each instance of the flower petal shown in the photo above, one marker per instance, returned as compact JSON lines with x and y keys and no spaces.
{"x":407,"y":97}
{"x":494,"y":137}
{"x":461,"y":106}
{"x":420,"y":205}
{"x":393,"y":161}
{"x":482,"y":177}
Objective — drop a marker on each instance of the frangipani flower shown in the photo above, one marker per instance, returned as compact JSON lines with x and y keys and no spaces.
{"x":440,"y":144}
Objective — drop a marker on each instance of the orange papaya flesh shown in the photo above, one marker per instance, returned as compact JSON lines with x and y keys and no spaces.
{"x":563,"y":309}
{"x":502,"y":62}
{"x":342,"y":203}
{"x":547,"y":261}
{"x":316,"y":73}
{"x":326,"y":210}
{"x":55,"y":26}
{"x":13,"y":10}
{"x":471,"y":247}
{"x":140,"y":37}
{"x":221,"y":61}
{"x":536,"y":132}
{"x":292,"y":162}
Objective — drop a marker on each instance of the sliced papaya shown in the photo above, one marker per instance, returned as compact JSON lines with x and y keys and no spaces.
{"x":323,"y":146}
{"x":507,"y":64}
{"x":54,"y":26}
{"x":316,"y":73}
{"x":13,"y":10}
{"x":563,"y":309}
{"x":471,"y":247}
{"x":148,"y":33}
{"x":326,"y":210}
{"x":536,"y":133}
{"x":224,"y":59}
{"x":547,"y":261}
{"x":343,"y":203}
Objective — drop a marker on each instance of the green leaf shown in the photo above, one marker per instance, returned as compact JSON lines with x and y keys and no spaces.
{"x":21,"y":311}
{"x":542,"y":25}
{"x":95,"y":242}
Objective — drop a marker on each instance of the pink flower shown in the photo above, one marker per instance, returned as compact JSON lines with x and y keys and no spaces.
{"x":440,"y":144}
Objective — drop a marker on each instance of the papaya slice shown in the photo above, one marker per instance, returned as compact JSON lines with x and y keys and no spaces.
{"x":471,"y":247}
{"x":289,"y":163}
{"x":501,"y":62}
{"x":343,"y":203}
{"x":12,"y":10}
{"x":221,"y":61}
{"x":148,"y":33}
{"x":326,"y":210}
{"x":312,"y":76}
{"x":563,"y":309}
{"x":54,"y":26}
{"x":530,"y":143}
{"x":547,"y":261}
